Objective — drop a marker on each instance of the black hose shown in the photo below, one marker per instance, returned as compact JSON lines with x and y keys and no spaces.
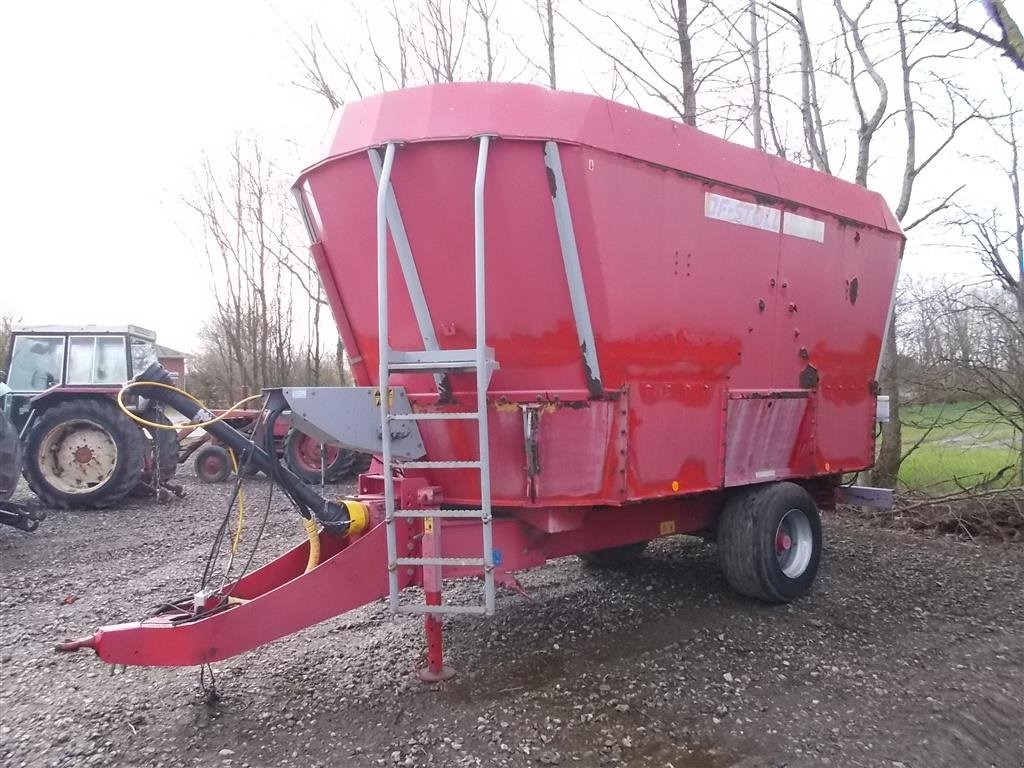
{"x":333,"y":517}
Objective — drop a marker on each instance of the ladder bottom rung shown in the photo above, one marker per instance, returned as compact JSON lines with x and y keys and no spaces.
{"x":473,"y":513}
{"x":437,"y":465}
{"x":421,"y":608}
{"x":451,"y":561}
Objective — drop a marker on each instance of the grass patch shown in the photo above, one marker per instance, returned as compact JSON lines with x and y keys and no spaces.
{"x":961,"y":444}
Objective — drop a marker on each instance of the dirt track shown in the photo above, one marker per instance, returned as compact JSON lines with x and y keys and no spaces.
{"x":909,"y":652}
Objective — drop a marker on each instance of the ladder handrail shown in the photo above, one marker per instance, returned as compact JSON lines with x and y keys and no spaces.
{"x":482,"y":377}
{"x":384,"y":348}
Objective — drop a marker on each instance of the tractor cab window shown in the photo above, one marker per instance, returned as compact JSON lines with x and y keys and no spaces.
{"x":37,"y":363}
{"x":97,"y":360}
{"x":143,"y":355}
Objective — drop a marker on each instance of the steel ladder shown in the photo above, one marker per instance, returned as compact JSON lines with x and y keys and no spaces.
{"x":479,"y":360}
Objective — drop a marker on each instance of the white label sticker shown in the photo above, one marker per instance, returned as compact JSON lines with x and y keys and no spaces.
{"x":764,"y":473}
{"x":801,"y":226}
{"x":741,"y":212}
{"x":298,"y":394}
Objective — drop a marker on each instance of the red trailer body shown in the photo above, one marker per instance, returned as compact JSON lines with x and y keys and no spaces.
{"x":685,"y":332}
{"x":738,"y":301}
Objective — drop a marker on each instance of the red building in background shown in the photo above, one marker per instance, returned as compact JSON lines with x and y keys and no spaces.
{"x":174,"y":362}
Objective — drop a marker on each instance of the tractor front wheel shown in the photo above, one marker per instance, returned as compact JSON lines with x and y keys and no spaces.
{"x":213,"y":464}
{"x":83,"y":454}
{"x":302,"y":456}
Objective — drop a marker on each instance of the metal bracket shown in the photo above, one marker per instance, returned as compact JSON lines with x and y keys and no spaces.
{"x":865,"y":496}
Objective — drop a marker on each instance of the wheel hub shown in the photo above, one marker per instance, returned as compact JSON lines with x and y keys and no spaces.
{"x":794,"y":543}
{"x":77,"y":456}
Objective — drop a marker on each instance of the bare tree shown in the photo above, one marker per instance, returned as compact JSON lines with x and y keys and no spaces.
{"x":485,"y":11}
{"x":810,"y":107}
{"x":546,"y":14}
{"x":7,"y":322}
{"x":245,"y":216}
{"x":438,"y":37}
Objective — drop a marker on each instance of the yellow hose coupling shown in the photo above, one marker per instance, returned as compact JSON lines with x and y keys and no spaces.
{"x":358,"y":515}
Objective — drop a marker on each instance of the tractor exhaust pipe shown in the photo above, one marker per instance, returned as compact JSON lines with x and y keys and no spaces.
{"x":334,"y":517}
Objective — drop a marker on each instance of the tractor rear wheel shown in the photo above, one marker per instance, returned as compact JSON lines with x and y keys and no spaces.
{"x":213,"y":464}
{"x":302,"y":456}
{"x":613,"y":556}
{"x":769,"y":542}
{"x":83,"y":454}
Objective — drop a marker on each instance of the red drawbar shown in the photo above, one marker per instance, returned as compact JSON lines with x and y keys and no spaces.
{"x":275,"y":601}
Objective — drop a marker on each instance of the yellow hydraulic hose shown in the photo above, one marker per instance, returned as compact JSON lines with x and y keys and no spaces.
{"x":308,"y":524}
{"x":193,"y":398}
{"x":241,"y":506}
{"x":314,"y":543}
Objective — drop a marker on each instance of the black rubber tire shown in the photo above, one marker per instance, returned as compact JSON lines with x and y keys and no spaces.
{"x":332,"y":470}
{"x":361,"y":463}
{"x":125,"y":434}
{"x":614,"y":556}
{"x":165,"y":444}
{"x":747,"y":531}
{"x":212,"y":464}
{"x":10,"y":458}
{"x":344,"y":467}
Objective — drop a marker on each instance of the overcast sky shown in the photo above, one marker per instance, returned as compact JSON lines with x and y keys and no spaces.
{"x":108,"y":108}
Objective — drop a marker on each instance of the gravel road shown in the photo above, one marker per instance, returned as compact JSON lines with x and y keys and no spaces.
{"x":909,"y":652}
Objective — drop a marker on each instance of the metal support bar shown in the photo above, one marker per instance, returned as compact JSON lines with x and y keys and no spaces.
{"x":405,"y":259}
{"x":573,"y":272}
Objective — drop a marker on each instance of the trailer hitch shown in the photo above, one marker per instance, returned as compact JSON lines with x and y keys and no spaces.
{"x":21,"y":516}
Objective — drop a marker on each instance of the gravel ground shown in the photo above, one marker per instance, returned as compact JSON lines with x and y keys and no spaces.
{"x":909,"y":652}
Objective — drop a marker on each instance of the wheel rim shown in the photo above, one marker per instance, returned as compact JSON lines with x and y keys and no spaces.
{"x":794,"y":543}
{"x":77,"y":457}
{"x":211,"y":466}
{"x":307,"y":453}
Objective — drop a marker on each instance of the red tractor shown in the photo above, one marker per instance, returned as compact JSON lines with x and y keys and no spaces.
{"x":80,"y":450}
{"x":306,"y":457}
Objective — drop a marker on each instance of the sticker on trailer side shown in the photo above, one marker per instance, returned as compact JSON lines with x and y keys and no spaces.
{"x":741,"y":212}
{"x":802,"y":226}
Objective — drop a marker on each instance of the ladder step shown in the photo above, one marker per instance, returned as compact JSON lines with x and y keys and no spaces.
{"x":434,"y":416}
{"x":421,"y":608}
{"x":437,"y":464}
{"x":451,"y":561}
{"x":475,"y":513}
{"x":438,"y":360}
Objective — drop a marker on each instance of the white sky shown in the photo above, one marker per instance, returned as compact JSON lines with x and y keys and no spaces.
{"x":107,"y":109}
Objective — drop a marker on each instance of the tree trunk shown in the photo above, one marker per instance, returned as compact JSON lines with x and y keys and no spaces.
{"x":755,"y":61}
{"x":686,"y":64}
{"x":552,"y":81}
{"x":890,"y":453}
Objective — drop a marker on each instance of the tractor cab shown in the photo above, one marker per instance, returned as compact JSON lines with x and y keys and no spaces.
{"x":49,"y":359}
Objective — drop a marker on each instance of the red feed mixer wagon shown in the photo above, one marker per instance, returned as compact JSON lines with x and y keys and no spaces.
{"x":575,"y":328}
